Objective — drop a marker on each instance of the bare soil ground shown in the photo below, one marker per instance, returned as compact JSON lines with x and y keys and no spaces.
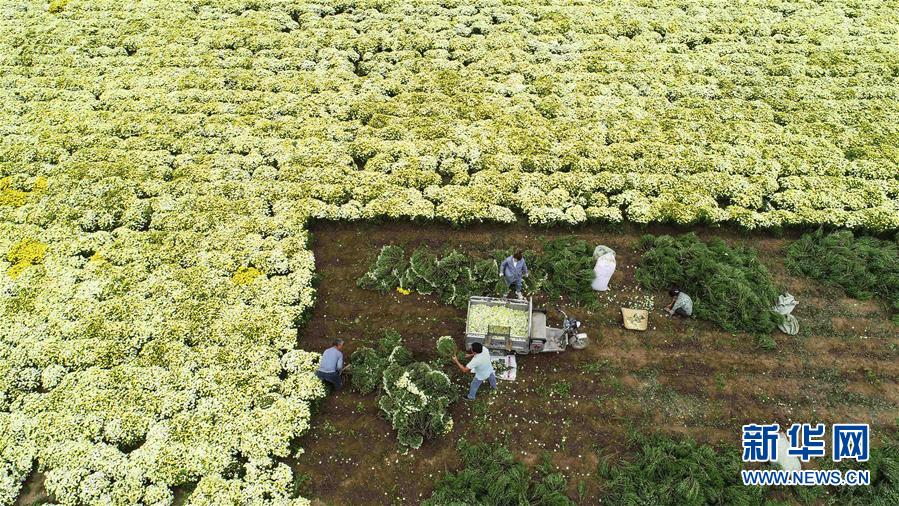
{"x":681,"y":377}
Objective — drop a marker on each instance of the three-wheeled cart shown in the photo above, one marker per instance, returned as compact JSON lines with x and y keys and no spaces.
{"x":535,"y":337}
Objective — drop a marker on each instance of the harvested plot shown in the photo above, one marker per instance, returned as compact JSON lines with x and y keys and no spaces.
{"x":683,"y":378}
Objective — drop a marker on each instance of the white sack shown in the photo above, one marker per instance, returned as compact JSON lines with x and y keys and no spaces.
{"x":604,"y":268}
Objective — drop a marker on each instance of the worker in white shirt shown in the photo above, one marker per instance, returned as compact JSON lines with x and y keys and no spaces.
{"x":482,"y":367}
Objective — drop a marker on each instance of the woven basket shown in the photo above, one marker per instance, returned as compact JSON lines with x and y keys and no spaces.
{"x":635,"y":319}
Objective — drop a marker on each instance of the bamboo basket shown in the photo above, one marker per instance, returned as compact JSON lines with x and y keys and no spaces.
{"x":635,"y":319}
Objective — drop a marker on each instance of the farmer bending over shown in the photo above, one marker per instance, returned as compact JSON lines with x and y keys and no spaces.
{"x":682,"y":305}
{"x":331,"y":365}
{"x":512,"y":270}
{"x":481,"y":366}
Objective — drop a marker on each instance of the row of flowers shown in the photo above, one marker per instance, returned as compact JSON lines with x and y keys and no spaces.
{"x":756,"y":201}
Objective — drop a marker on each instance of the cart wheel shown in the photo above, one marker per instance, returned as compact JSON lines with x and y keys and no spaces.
{"x":580,"y":342}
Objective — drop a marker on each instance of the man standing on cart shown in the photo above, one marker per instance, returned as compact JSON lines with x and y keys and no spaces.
{"x":512,"y":270}
{"x":481,"y":366}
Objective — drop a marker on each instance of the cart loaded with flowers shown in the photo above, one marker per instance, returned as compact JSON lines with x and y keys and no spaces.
{"x":506,"y":326}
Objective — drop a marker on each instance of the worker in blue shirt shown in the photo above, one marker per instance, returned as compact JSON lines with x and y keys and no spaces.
{"x":331,"y":365}
{"x":512,"y":270}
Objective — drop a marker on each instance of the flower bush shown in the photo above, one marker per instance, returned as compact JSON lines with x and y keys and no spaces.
{"x":24,"y":254}
{"x":151,"y":150}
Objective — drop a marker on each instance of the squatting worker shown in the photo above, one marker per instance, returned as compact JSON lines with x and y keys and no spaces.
{"x":331,"y":365}
{"x":512,"y":270}
{"x":481,"y":366}
{"x":681,"y":303}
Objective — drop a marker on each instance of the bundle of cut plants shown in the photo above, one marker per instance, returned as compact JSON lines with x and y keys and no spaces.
{"x":369,"y":363}
{"x":674,"y":472}
{"x":491,"y":474}
{"x":415,"y":399}
{"x":413,"y":396}
{"x":728,"y":285}
{"x":386,"y":272}
{"x":451,"y":276}
{"x":862,"y":266}
{"x":446,"y":348}
{"x":565,"y":267}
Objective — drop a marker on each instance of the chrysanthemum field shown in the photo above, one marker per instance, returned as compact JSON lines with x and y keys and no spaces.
{"x":160,"y":162}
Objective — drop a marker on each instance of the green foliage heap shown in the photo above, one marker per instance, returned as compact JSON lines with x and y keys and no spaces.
{"x":729,"y":286}
{"x":883,"y":490}
{"x":387,"y":270}
{"x":884,"y":487}
{"x":668,"y":471}
{"x":565,"y":267}
{"x":491,"y":475}
{"x":672,"y":472}
{"x":369,"y":363}
{"x":413,"y":396}
{"x":415,"y":400}
{"x":452,"y":277}
{"x":864,"y":267}
{"x":418,"y":276}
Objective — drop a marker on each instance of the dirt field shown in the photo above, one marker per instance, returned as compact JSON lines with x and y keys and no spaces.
{"x":680,"y":377}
